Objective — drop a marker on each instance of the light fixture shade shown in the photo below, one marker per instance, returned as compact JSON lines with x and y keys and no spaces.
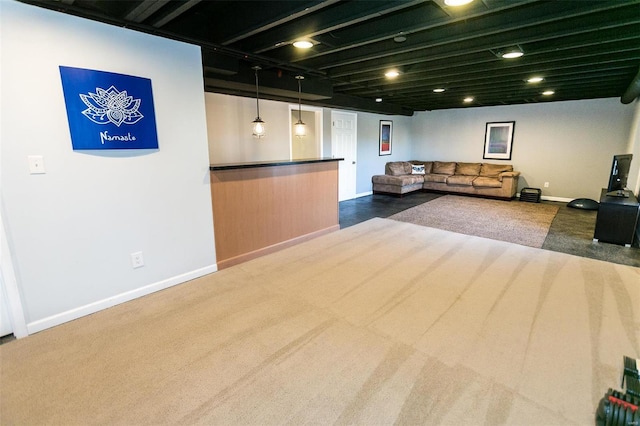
{"x":455,"y":3}
{"x":303,"y":44}
{"x":258,"y":128}
{"x":300,"y":129}
{"x":512,"y":53}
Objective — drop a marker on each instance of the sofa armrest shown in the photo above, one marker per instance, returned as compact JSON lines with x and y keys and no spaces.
{"x":508,"y":175}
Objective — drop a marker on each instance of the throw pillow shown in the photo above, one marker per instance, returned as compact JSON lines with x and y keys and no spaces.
{"x":417,"y":169}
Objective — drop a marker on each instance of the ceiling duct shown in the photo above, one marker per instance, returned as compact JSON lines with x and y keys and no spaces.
{"x":633,"y":91}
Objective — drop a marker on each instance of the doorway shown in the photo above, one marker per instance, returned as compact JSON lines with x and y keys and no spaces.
{"x":344,"y":144}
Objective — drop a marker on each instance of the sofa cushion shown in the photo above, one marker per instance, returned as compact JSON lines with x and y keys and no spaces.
{"x":434,"y":177}
{"x":494,"y":170}
{"x":396,"y":168}
{"x":468,"y":169}
{"x":401,"y":180}
{"x":460,"y":180}
{"x":444,"y":168}
{"x":417,"y":169}
{"x":487,"y":182}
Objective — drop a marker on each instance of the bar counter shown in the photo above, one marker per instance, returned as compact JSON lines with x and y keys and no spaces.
{"x":261,"y":207}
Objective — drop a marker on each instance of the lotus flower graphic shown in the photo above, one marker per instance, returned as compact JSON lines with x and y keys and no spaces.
{"x":111,"y":106}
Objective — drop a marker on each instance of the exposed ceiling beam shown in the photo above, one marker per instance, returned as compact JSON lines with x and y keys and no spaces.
{"x":185,"y":6}
{"x":277,"y":22}
{"x":375,"y":36}
{"x":442,"y":53}
{"x":534,"y":63}
{"x":493,"y":33}
{"x":343,"y":21}
{"x":145,"y":9}
{"x":459,"y":78}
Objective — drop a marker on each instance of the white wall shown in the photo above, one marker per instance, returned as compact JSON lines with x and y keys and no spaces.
{"x":229,"y":129}
{"x":71,"y":231}
{"x":634,"y":148}
{"x":370,"y":162}
{"x":568,"y":144}
{"x":306,"y":146}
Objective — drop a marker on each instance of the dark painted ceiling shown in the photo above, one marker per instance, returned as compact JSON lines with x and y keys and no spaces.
{"x":584,"y":49}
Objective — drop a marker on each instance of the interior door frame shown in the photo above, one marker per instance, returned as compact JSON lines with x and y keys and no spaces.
{"x":9,"y":287}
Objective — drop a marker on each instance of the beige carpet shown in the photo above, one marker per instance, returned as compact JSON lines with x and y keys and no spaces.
{"x":381,"y":323}
{"x":513,"y":221}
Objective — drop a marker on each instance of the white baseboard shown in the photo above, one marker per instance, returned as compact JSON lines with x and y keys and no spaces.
{"x":548,"y":198}
{"x":559,"y":199}
{"x":363,"y":194}
{"x":99,"y":305}
{"x":543,"y":197}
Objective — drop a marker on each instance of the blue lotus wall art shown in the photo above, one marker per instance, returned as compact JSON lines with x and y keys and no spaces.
{"x":107,"y":110}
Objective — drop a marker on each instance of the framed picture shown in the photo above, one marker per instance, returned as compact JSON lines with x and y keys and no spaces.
{"x":498,"y":140}
{"x":386,"y":135}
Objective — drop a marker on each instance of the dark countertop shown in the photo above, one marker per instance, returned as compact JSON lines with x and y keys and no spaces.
{"x":231,"y":166}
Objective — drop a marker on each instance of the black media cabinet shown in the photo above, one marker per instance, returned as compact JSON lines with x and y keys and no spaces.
{"x":617,"y":219}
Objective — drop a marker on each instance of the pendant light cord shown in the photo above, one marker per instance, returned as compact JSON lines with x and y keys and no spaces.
{"x":299,"y":101}
{"x":257,"y":95}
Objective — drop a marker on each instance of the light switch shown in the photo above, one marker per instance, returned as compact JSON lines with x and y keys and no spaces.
{"x":36,"y":165}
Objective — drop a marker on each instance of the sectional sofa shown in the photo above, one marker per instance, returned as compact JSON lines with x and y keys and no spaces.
{"x":484,"y":179}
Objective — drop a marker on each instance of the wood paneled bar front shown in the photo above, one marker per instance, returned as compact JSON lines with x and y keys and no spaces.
{"x":262,"y":207}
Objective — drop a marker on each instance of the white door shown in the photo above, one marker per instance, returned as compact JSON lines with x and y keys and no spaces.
{"x":344,"y":145}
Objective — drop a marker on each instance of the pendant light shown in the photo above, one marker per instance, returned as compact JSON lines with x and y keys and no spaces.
{"x":258,"y":124}
{"x":300,"y":127}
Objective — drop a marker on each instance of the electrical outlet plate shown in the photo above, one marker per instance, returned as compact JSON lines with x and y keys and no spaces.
{"x":546,"y":184}
{"x":137,"y":261}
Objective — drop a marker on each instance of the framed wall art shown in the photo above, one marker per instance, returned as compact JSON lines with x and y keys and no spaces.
{"x":498,"y":140}
{"x":386,"y":136}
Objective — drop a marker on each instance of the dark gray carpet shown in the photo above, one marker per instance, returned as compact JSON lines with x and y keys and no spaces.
{"x":571,"y":230}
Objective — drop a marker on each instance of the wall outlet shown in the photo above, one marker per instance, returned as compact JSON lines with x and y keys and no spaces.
{"x":546,"y":184}
{"x":137,"y":261}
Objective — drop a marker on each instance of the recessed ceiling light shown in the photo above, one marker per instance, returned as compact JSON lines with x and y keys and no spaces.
{"x":378,"y":99}
{"x":457,"y":2}
{"x":468,"y":99}
{"x":512,"y":52}
{"x":400,"y":38}
{"x":302,"y":44}
{"x":548,"y":92}
{"x":439,"y":90}
{"x":392,"y":73}
{"x":535,"y":79}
